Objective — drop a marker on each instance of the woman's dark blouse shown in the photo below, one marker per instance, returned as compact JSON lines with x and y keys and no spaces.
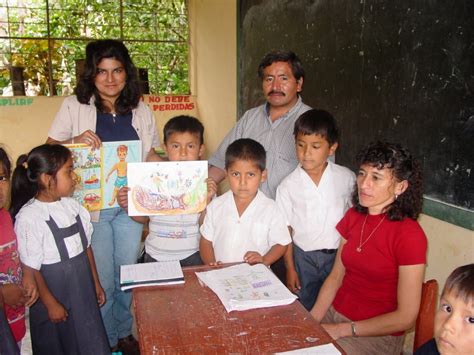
{"x":118,"y":128}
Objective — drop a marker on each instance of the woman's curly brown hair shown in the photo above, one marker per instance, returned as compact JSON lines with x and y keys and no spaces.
{"x":404,"y":167}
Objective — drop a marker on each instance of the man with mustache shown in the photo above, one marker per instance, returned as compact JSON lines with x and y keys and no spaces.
{"x":271,"y":124}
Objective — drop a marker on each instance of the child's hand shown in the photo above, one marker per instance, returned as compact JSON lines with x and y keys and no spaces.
{"x":99,"y":291}
{"x":211,"y":189}
{"x":57,"y":313}
{"x":215,"y":263}
{"x":29,"y":284}
{"x":292,"y":280}
{"x":253,"y":257}
{"x":122,"y":197}
{"x":14,"y":295}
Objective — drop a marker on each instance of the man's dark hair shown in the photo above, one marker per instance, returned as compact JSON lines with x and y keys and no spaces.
{"x":282,"y":56}
{"x":184,"y":124}
{"x":317,"y":122}
{"x":245,"y":149}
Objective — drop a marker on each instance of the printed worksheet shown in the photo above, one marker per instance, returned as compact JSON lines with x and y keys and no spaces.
{"x":241,"y":287}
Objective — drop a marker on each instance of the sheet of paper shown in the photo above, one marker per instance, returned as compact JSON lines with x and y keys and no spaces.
{"x":241,"y":287}
{"x":147,"y":274}
{"x":167,"y":188}
{"x":328,"y":349}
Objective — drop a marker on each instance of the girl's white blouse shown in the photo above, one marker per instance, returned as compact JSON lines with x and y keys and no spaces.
{"x":36,"y":242}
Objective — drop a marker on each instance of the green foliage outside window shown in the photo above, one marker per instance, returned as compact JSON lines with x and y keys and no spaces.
{"x":154,"y":31}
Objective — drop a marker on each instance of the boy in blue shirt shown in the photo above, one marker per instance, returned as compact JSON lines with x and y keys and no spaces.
{"x":314,"y":197}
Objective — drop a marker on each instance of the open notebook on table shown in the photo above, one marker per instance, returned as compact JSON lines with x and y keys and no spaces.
{"x":151,"y":274}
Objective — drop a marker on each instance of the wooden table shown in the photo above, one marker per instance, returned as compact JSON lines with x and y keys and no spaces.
{"x":190,"y":318}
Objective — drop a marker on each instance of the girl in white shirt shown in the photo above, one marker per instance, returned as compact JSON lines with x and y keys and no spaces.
{"x":54,"y":234}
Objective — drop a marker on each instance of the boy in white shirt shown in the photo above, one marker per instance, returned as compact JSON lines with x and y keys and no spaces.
{"x":176,"y":237}
{"x":243,"y":224}
{"x":314,"y":197}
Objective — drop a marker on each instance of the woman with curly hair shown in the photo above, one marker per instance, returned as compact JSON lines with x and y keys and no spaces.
{"x":107,"y":107}
{"x":373,"y":292}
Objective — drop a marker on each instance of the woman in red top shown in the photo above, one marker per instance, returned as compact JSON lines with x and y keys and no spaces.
{"x":373,"y":292}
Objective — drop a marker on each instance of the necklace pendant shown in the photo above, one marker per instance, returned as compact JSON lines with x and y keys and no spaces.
{"x":359,"y":249}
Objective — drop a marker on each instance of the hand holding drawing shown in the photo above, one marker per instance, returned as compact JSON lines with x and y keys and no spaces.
{"x":88,"y":137}
{"x":122,"y":197}
{"x":211,"y":189}
{"x":253,"y":257}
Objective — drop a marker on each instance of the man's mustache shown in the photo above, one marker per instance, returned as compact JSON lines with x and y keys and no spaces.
{"x":276,"y":92}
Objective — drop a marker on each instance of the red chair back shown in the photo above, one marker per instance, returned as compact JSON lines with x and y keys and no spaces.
{"x":425,"y":320}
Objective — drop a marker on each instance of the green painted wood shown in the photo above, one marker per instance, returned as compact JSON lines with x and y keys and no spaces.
{"x":449,"y":213}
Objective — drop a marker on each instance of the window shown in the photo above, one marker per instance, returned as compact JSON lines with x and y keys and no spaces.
{"x":42,"y":42}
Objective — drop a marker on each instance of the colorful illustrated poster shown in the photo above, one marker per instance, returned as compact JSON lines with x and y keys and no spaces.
{"x":115,"y":157}
{"x":101,"y":172}
{"x":87,"y":167}
{"x":167,"y":188}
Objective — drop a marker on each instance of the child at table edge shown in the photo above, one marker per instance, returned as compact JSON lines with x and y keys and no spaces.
{"x":243,"y":224}
{"x":183,"y":141}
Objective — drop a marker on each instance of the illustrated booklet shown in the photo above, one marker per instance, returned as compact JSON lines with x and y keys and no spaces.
{"x":167,"y":188}
{"x":241,"y":287}
{"x":100,"y":173}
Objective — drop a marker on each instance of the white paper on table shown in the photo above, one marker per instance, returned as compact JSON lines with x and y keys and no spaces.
{"x":149,"y":274}
{"x":328,"y":349}
{"x":241,"y":287}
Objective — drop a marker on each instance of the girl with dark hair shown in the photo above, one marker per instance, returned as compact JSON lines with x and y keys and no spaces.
{"x":17,"y":284}
{"x":373,"y":292}
{"x":108,"y":107}
{"x":54,"y":236}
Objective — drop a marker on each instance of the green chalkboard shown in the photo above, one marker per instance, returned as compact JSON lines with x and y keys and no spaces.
{"x":401,"y":71}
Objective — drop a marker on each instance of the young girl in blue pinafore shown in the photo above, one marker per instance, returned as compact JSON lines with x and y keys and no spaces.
{"x":54,"y":234}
